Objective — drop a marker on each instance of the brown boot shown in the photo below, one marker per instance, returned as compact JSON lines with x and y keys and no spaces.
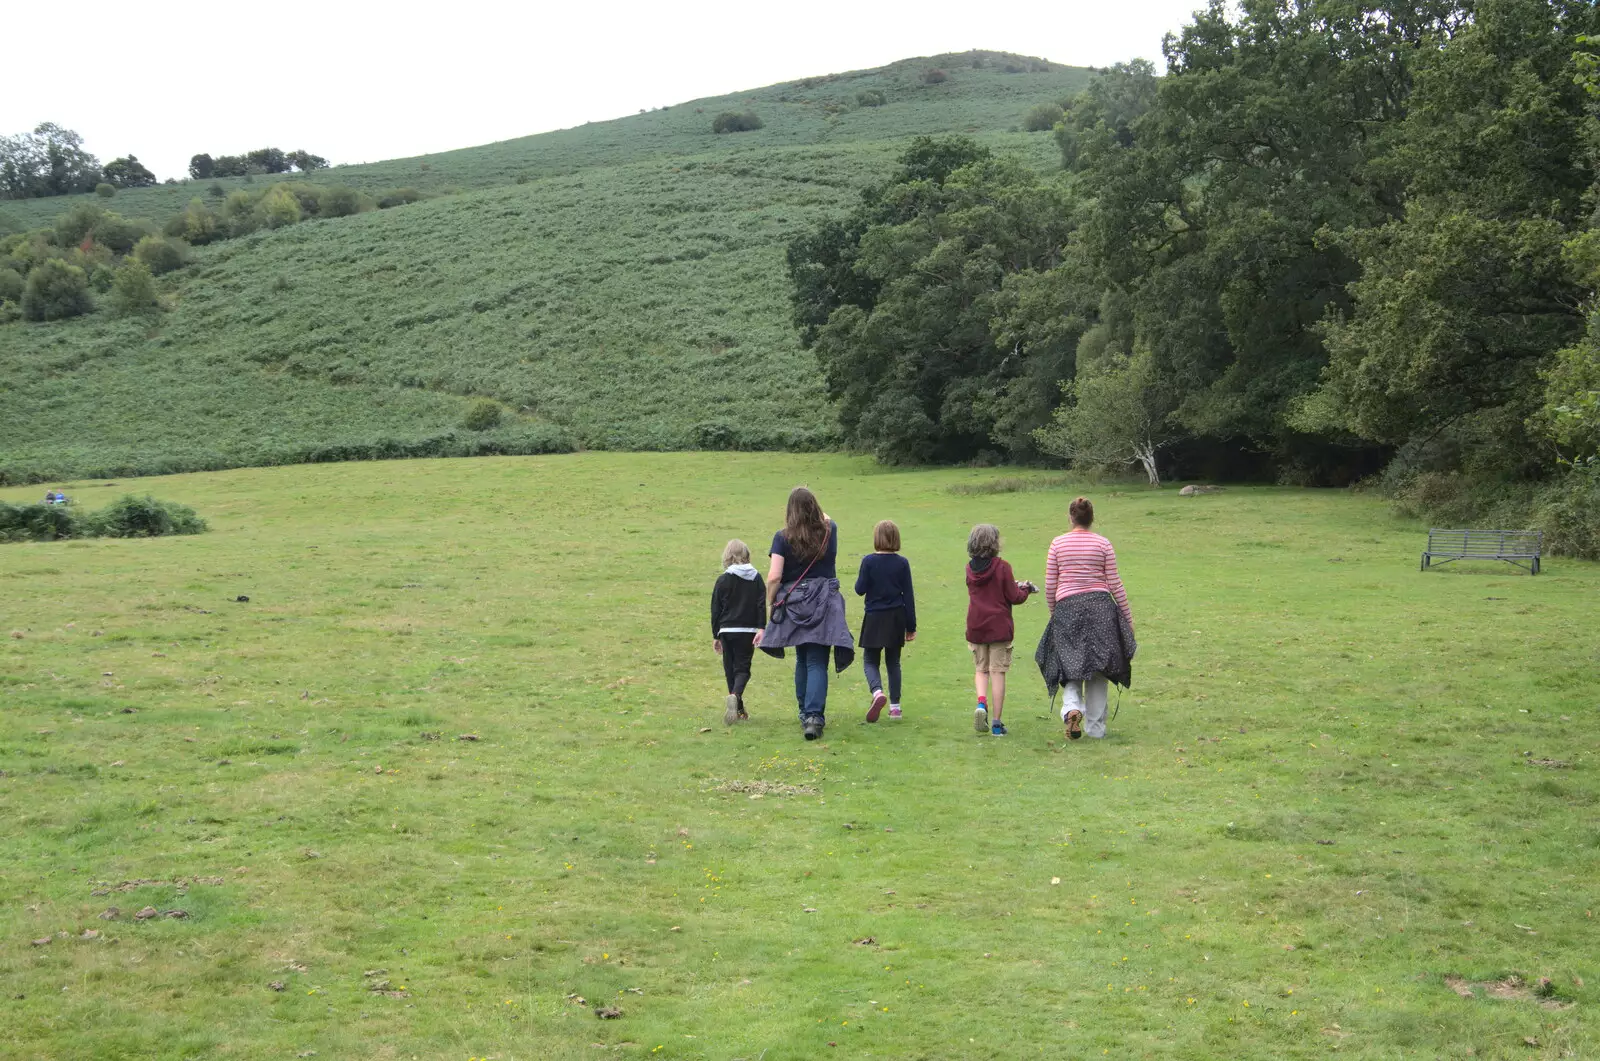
{"x":1074,"y":724}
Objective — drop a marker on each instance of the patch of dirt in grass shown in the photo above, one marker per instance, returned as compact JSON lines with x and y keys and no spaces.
{"x":1512,"y":988}
{"x":180,"y":883}
{"x":765,"y":788}
{"x":378,"y":986}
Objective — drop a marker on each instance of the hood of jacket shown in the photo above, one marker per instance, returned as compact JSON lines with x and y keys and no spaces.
{"x":744,"y":571}
{"x":978,"y":576}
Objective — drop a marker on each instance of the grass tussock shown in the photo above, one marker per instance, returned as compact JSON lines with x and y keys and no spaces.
{"x":1012,"y":484}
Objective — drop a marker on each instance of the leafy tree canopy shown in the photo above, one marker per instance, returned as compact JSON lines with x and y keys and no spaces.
{"x":48,"y":161}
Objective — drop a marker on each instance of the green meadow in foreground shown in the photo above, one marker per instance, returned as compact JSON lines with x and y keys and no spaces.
{"x":455,"y":776}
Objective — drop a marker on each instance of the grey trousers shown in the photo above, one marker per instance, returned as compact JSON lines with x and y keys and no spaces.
{"x":1089,"y":697}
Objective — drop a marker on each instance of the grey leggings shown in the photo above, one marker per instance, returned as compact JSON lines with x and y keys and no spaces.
{"x":891,"y":659}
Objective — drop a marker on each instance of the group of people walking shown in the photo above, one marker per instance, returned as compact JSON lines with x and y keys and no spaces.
{"x":1088,"y":644}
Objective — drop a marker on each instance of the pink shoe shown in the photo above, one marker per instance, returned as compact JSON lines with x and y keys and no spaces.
{"x":894,"y":712}
{"x":878,"y":702}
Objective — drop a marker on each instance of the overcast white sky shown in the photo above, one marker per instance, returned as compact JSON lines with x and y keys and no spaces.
{"x":359,"y":82}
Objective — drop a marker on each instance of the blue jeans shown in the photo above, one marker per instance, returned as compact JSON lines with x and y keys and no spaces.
{"x":811,"y":678}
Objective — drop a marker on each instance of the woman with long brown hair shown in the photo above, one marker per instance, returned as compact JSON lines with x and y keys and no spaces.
{"x":805,"y":608}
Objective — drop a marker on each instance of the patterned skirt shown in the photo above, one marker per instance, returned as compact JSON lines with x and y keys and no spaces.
{"x":1087,"y":635}
{"x":810,"y":612}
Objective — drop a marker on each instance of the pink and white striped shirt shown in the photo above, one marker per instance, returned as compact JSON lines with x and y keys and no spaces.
{"x":1083,"y":562}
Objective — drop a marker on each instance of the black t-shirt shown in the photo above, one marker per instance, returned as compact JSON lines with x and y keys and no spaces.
{"x":793,"y":568}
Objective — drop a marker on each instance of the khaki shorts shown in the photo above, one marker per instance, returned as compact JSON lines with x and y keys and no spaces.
{"x":995,"y":657}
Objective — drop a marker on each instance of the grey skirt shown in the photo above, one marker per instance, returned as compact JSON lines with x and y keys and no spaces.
{"x":1087,"y":635}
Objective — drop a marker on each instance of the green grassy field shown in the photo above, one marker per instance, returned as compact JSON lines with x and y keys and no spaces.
{"x":619,"y":286}
{"x":1344,"y":796}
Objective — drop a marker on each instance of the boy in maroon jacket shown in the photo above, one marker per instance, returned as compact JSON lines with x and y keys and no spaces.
{"x":991,"y":591}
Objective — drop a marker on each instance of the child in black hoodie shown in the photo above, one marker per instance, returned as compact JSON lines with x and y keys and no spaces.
{"x":738,"y":613}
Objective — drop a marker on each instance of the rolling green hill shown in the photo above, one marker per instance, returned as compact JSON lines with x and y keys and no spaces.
{"x":617,"y":285}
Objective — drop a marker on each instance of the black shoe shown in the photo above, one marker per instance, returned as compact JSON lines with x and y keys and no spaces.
{"x":811,"y":726}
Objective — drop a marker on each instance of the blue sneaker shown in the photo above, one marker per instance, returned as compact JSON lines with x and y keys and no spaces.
{"x":980,"y":718}
{"x":997,"y":730}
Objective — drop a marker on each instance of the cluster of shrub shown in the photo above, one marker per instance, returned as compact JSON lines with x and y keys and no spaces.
{"x":1044,"y":117}
{"x":55,"y":273}
{"x":127,"y":517}
{"x":735,"y":122}
{"x":247,"y":210}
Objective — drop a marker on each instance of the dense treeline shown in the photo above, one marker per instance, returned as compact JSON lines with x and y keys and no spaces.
{"x":262,"y":160}
{"x":1335,"y":238}
{"x":53,"y":161}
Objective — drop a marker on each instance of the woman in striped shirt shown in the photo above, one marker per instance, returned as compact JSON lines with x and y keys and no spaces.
{"x":1089,"y":640}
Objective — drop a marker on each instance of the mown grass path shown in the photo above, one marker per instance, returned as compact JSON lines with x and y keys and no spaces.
{"x":1337,"y":784}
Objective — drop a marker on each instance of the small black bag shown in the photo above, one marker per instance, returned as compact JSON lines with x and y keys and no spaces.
{"x":778,"y":614}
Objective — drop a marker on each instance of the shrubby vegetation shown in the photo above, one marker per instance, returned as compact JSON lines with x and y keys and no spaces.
{"x":482,"y":415}
{"x":735,"y":122}
{"x":1391,"y":263}
{"x":127,"y":517}
{"x":49,"y":274}
{"x":1042,"y":118}
{"x":160,"y":254}
{"x":283,"y":203}
{"x":400,"y":197}
{"x":55,"y":290}
{"x":133,"y":289}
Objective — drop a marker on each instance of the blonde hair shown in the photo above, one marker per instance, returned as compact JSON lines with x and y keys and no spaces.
{"x":735,"y":552}
{"x":984,"y":542}
{"x":886,"y":537}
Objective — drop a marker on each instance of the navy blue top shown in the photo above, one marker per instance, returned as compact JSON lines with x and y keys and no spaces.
{"x":793,"y":568}
{"x":885,"y":580}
